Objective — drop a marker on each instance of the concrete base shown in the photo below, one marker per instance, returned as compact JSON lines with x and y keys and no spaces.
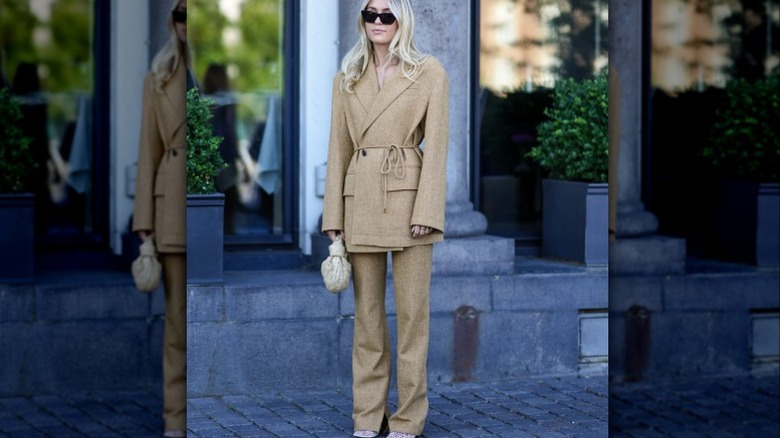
{"x":481,"y":255}
{"x":702,"y":323}
{"x":282,"y":329}
{"x":650,"y":255}
{"x":80,"y":332}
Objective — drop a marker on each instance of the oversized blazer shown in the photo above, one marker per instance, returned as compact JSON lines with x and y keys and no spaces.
{"x":379,"y":180}
{"x":160,"y":190}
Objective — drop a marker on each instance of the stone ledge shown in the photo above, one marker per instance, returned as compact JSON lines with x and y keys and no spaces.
{"x":650,"y":255}
{"x":482,"y":255}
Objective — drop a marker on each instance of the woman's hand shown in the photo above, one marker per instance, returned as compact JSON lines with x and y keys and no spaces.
{"x":420,"y":231}
{"x":334,"y":234}
{"x":144,"y":234}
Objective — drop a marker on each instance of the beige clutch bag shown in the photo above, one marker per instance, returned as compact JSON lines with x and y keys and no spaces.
{"x":336,"y":269}
{"x":146,"y":268}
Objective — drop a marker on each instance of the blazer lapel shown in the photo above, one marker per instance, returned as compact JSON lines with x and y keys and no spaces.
{"x":367,"y":88}
{"x":173,"y":104}
{"x":393,"y":87}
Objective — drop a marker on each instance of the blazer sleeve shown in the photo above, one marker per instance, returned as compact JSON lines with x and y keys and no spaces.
{"x":339,"y":155}
{"x":431,"y":200}
{"x":150,"y":152}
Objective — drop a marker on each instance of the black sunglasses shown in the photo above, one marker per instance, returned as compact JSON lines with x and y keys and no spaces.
{"x":385,"y":18}
{"x":179,"y":16}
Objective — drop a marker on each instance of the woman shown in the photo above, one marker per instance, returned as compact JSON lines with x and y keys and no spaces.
{"x":161,"y":202}
{"x":384,"y":193}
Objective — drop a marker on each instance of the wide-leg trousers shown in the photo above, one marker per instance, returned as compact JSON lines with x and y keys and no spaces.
{"x":371,"y":356}
{"x":175,"y":341}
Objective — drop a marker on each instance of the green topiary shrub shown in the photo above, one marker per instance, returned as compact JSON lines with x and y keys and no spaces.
{"x":745,"y":138}
{"x":16,"y":161}
{"x":203,"y":159}
{"x":574,"y":141}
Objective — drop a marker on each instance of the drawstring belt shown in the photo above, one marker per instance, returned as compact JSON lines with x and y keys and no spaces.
{"x":393,"y":160}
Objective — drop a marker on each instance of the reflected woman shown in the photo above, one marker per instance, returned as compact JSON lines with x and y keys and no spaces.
{"x":386,"y":193}
{"x":160,"y":202}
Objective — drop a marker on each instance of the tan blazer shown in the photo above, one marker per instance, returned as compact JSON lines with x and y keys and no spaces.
{"x":379,"y":181}
{"x":160,"y":191}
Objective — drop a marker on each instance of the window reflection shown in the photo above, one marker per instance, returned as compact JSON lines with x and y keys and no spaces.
{"x":47,"y":54}
{"x":531,"y":43}
{"x":526,"y":47}
{"x":701,"y":43}
{"x":697,"y":48}
{"x":239,"y":58}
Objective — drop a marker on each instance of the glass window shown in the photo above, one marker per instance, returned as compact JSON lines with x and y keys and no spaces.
{"x":47,"y":58}
{"x":525,"y":47}
{"x":696,"y":48}
{"x":239,"y":50}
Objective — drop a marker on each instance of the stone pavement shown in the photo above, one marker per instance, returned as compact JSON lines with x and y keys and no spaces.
{"x":100,"y":414}
{"x":550,"y":407}
{"x":731,"y":406}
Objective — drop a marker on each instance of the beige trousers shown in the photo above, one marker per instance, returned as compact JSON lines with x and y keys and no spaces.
{"x":175,"y":341}
{"x":371,"y":347}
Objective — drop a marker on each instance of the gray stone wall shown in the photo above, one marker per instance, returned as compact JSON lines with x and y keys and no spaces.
{"x":281,"y":329}
{"x":691,"y":325}
{"x":80,"y":333}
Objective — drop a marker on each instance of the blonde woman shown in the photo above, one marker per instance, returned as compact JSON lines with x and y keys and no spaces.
{"x":386,"y":193}
{"x":160,"y":202}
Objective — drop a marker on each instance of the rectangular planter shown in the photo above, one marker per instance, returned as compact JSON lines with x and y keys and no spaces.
{"x":205,"y":238}
{"x":17,"y":232}
{"x":747,"y":225}
{"x":574,"y":221}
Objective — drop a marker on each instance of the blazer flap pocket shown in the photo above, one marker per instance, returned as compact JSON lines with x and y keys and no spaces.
{"x":410,"y":181}
{"x":349,"y":185}
{"x":159,"y":184}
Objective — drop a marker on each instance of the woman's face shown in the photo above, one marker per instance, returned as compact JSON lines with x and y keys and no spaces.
{"x":378,"y":33}
{"x":181,"y":27}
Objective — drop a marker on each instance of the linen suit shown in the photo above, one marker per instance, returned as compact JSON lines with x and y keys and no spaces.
{"x":161,"y":206}
{"x":379,"y":183}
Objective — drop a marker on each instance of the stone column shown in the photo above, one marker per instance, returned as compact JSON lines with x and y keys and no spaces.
{"x":466,"y":248}
{"x":449,"y":40}
{"x":636,"y":248}
{"x":625,"y":35}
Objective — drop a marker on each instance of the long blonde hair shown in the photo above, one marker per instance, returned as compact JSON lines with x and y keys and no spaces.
{"x":402,"y":47}
{"x":171,"y":55}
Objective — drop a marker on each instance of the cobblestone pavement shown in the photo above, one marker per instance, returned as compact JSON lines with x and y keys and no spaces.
{"x":741,"y":406}
{"x":125,"y":414}
{"x":549,"y":407}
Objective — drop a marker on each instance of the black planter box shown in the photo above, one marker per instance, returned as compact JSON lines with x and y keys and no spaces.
{"x":575,"y":221}
{"x":747,"y":227}
{"x":17,"y":232}
{"x":205,"y":238}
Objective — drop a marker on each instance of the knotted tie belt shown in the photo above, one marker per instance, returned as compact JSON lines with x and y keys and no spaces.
{"x":393,"y":161}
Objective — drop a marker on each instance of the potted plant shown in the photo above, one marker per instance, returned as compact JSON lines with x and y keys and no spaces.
{"x":744,"y":148}
{"x":573,"y":147}
{"x":17,"y":202}
{"x":205,"y":206}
